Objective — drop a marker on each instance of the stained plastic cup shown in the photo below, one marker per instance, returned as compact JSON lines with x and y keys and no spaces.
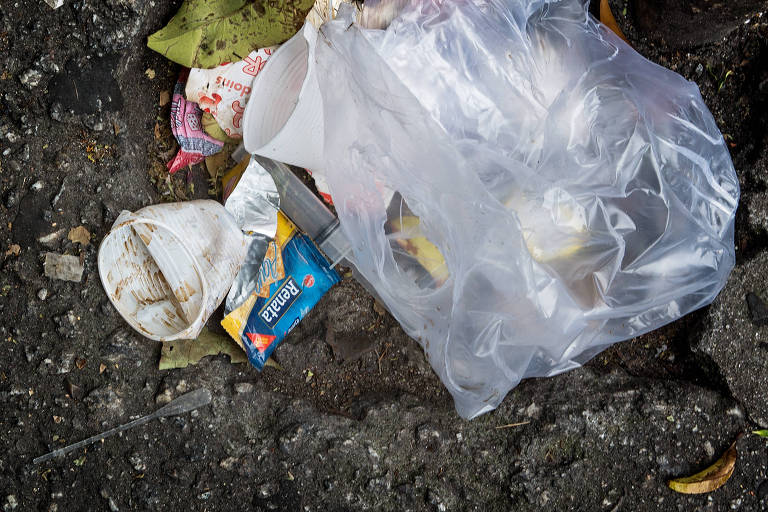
{"x":167,"y":267}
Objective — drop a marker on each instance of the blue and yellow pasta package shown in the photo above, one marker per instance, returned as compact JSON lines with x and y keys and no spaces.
{"x":293,"y":277}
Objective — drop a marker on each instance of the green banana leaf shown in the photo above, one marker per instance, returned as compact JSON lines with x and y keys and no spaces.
{"x":207,"y":33}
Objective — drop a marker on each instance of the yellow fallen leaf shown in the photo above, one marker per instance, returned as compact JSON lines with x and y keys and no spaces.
{"x":150,"y":73}
{"x":607,"y":19}
{"x":80,"y":235}
{"x":711,"y":478}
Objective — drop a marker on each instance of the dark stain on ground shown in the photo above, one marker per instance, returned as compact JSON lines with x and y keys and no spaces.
{"x":88,"y":89}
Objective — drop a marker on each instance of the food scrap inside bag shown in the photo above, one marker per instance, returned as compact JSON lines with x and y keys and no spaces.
{"x":566,"y":192}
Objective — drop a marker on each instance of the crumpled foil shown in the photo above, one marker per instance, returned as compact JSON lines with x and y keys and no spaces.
{"x":254,"y":204}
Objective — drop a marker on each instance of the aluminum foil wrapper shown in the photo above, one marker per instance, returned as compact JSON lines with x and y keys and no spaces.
{"x":254,"y":204}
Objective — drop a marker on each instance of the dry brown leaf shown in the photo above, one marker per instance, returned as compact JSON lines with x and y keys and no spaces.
{"x":218,"y":164}
{"x":711,"y":478}
{"x":102,"y":367}
{"x":80,"y":235}
{"x":158,"y":133}
{"x":165,"y":97}
{"x":379,"y":308}
{"x":14,"y":250}
{"x":607,"y":19}
{"x":80,"y":363}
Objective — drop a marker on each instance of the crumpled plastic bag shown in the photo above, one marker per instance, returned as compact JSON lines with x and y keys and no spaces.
{"x":578,"y":194}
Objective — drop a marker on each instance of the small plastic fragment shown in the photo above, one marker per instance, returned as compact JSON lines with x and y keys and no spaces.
{"x":63,"y":267}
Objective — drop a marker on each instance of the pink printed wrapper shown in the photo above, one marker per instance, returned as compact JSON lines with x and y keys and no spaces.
{"x":224,"y":90}
{"x":187,"y":127}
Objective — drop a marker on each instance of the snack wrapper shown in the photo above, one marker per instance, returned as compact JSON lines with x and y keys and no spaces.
{"x":293,"y":277}
{"x":224,"y":90}
{"x":187,"y":127}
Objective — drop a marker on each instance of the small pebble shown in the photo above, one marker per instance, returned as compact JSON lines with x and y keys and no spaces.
{"x":164,"y":397}
{"x":10,"y":502}
{"x":42,"y":293}
{"x":137,"y":462}
{"x":31,"y":78}
{"x":267,"y":490}
{"x":36,"y":186}
{"x":243,"y":387}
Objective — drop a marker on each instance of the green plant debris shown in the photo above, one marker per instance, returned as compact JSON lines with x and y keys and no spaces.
{"x":761,"y":433}
{"x":207,"y":33}
{"x":720,"y":79}
{"x":722,"y":82}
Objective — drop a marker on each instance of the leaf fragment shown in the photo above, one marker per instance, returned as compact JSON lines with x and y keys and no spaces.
{"x":80,"y":235}
{"x":165,"y":98}
{"x":207,"y":33}
{"x":13,"y":250}
{"x":182,"y":353}
{"x":709,"y":479}
{"x":274,"y":364}
{"x":218,"y":164}
{"x":761,"y":433}
{"x":607,"y":19}
{"x":212,"y":128}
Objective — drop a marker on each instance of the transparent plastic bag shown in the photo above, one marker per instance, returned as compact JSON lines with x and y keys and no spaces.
{"x":578,"y":194}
